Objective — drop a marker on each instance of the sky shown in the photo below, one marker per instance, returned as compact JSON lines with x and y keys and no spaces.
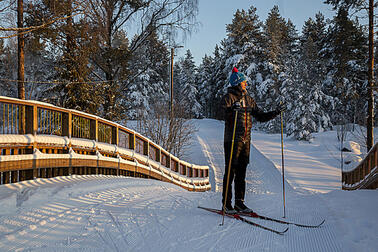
{"x":214,"y":15}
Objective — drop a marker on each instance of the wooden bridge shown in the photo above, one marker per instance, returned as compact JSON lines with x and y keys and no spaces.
{"x":39,"y":140}
{"x":365,"y":175}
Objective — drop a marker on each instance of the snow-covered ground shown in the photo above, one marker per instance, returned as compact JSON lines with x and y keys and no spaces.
{"x":107,"y":213}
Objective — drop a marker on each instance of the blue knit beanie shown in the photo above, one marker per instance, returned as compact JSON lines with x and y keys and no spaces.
{"x":236,"y":78}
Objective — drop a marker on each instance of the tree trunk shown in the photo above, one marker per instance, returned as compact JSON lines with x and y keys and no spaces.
{"x":370,"y":126}
{"x":21,"y":56}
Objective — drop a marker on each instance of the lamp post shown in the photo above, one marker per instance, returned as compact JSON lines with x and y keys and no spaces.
{"x":172,"y":56}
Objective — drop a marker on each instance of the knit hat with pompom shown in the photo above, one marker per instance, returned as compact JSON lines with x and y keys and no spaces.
{"x":236,"y":78}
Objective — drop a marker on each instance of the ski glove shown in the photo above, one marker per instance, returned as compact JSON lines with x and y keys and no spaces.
{"x":281,"y":107}
{"x":236,"y":106}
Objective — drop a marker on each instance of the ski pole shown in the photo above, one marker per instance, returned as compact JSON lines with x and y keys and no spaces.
{"x":283,"y":166}
{"x":229,"y":166}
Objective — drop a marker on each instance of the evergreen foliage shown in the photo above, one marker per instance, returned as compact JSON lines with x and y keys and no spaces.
{"x":114,"y":61}
{"x":8,"y":70}
{"x":308,"y":105}
{"x":149,"y":79}
{"x":320,"y":74}
{"x":346,"y":51}
{"x":186,"y":87}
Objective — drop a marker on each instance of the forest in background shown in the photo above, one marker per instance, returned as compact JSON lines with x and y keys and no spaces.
{"x":112,"y":59}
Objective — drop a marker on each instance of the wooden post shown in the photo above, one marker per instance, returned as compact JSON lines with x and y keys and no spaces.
{"x":94,"y":130}
{"x":14,"y":176}
{"x":115,"y":140}
{"x":67,"y":131}
{"x":370,"y":118}
{"x":115,"y":136}
{"x":67,"y":124}
{"x":158,"y":156}
{"x":31,"y":118}
{"x":342,"y":178}
{"x":132,"y":141}
{"x":31,"y":127}
{"x":361,"y":171}
{"x":6,"y":177}
{"x":146,"y":148}
{"x":372,"y":157}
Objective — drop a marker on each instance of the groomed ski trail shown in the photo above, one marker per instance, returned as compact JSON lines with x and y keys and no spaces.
{"x":264,"y":195}
{"x":108,"y":213}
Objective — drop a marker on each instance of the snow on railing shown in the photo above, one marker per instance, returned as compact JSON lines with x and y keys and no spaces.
{"x":41,"y":140}
{"x":365,"y":175}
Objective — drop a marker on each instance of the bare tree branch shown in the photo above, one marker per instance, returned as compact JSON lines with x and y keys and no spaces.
{"x":25,"y":30}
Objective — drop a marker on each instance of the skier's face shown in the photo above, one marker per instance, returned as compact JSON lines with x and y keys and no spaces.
{"x":243,"y":85}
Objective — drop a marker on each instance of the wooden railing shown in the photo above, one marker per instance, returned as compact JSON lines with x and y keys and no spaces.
{"x":41,"y":140}
{"x":365,"y":175}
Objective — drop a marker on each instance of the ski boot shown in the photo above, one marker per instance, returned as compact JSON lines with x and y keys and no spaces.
{"x":240,"y":207}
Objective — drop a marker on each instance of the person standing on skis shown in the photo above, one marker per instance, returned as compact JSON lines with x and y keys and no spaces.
{"x":238,"y":103}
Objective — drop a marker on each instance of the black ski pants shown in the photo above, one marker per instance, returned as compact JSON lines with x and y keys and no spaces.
{"x":239,"y":162}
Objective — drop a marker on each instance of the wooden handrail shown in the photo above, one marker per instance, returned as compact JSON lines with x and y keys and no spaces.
{"x":365,"y":175}
{"x":81,"y":136}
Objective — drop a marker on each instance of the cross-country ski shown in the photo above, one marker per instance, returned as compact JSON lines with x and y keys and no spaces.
{"x":258,"y":216}
{"x":238,"y":217}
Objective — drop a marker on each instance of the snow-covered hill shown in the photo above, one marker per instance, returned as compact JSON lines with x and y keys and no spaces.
{"x":106,"y":213}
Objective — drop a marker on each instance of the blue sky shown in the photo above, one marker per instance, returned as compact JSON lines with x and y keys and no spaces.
{"x":214,"y":15}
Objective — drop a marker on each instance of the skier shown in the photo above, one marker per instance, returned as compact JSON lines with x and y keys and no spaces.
{"x":238,"y":103}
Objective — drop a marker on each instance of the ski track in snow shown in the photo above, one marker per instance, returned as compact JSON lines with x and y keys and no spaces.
{"x":108,"y":213}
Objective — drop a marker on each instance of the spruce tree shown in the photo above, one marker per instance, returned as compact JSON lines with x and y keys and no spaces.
{"x":71,"y":43}
{"x":148,"y":85}
{"x":242,"y":48}
{"x":8,"y":66}
{"x":220,"y":79}
{"x":206,"y":86}
{"x":187,"y":92}
{"x":37,"y":61}
{"x":280,"y":46}
{"x":347,"y":72}
{"x":306,"y":113}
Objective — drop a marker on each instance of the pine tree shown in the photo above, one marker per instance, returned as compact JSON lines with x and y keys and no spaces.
{"x":73,"y":67}
{"x":280,"y":46}
{"x":8,"y":66}
{"x":149,"y":79}
{"x":242,"y":46}
{"x":244,"y":31}
{"x":206,"y":86}
{"x":347,"y":73}
{"x":71,"y":43}
{"x":358,"y":5}
{"x":219,"y":79}
{"x":306,"y":101}
{"x":187,"y":92}
{"x":302,"y":86}
{"x":39,"y":67}
{"x":276,"y":33}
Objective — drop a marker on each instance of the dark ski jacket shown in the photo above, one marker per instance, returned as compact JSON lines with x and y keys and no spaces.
{"x":248,"y":110}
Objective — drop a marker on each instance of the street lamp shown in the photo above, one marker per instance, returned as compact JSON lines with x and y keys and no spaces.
{"x":172,"y":56}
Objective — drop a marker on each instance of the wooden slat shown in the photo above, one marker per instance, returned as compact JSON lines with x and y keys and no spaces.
{"x":49,"y":119}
